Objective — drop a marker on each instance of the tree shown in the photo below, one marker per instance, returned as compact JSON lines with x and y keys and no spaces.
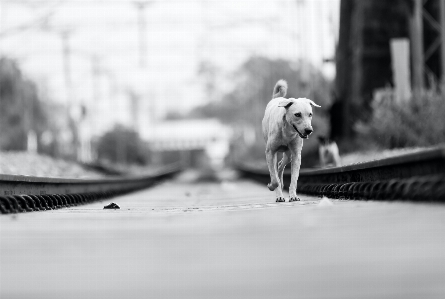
{"x":255,"y":79}
{"x":253,"y":90}
{"x":209,"y":73}
{"x":122,"y":145}
{"x":20,"y":107}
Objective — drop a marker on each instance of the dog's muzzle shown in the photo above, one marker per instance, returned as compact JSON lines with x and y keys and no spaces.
{"x":301,"y":135}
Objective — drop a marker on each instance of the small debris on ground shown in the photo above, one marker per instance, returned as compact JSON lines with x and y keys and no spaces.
{"x":112,"y":206}
{"x":325,"y":202}
{"x":228,"y":186}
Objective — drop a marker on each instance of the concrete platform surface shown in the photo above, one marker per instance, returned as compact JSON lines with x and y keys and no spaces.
{"x":229,"y":240}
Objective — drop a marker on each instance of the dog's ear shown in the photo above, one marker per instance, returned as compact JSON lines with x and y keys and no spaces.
{"x":286,"y":103}
{"x":313,"y":104}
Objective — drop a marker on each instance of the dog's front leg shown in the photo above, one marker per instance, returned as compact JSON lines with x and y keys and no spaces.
{"x":295,"y":172}
{"x":274,"y":184}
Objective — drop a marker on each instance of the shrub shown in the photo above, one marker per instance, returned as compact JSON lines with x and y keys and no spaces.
{"x":122,"y":145}
{"x":21,"y":110}
{"x":417,"y":122}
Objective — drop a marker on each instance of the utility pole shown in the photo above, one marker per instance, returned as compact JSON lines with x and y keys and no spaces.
{"x":66,"y":50}
{"x":2,"y":16}
{"x":142,"y":24}
{"x":134,"y":108}
{"x":65,"y":35}
{"x":87,"y":123}
{"x":95,"y":76}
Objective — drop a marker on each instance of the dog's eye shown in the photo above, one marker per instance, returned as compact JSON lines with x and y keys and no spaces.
{"x":298,"y":114}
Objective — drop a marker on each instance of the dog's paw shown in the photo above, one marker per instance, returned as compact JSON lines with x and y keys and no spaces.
{"x":272,"y":186}
{"x":280,"y":199}
{"x":294,"y":199}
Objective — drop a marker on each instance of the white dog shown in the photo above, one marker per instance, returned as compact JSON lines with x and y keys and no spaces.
{"x":286,"y":123}
{"x":328,"y":152}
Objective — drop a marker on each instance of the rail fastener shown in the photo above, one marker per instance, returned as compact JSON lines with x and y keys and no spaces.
{"x":418,"y":176}
{"x":25,"y":193}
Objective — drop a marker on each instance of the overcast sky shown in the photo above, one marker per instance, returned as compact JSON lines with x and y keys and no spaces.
{"x":104,"y":35}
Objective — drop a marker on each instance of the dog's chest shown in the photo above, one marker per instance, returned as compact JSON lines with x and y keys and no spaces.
{"x":282,"y":148}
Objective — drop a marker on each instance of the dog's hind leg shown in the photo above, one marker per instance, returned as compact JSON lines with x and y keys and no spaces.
{"x":274,"y":180}
{"x":271,"y":158}
{"x":284,"y":161}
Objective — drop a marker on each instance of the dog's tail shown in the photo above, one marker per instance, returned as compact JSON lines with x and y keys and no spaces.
{"x":280,"y":89}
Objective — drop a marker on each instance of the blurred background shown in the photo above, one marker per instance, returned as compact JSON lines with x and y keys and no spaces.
{"x":145,"y":83}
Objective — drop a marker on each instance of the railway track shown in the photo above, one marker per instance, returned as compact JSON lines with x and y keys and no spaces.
{"x":26,"y":194}
{"x":417,"y":176}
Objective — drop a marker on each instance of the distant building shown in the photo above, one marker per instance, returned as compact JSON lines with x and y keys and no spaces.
{"x":190,"y":141}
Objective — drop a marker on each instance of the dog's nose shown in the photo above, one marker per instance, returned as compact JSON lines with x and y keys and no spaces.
{"x":308,"y":131}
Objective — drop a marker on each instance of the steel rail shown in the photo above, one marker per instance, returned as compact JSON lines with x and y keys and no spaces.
{"x":417,"y":176}
{"x":20,"y":193}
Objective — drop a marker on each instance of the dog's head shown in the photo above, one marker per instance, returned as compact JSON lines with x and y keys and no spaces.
{"x":299,"y":115}
{"x":322,"y":140}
